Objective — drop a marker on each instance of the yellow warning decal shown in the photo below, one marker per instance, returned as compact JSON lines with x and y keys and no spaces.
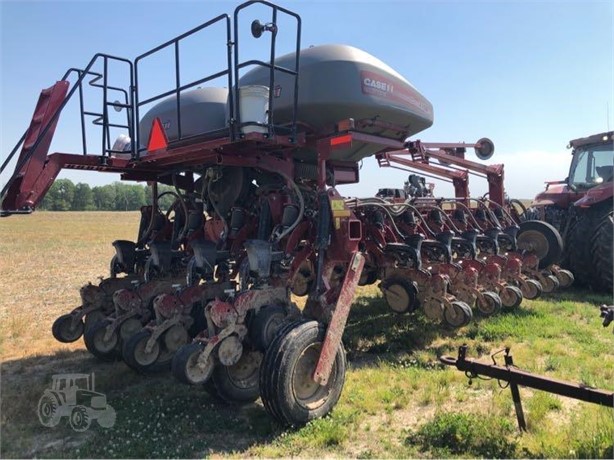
{"x":337,"y":205}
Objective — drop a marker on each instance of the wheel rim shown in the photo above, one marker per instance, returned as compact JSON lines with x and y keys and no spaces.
{"x":565,"y":278}
{"x":272,"y":326}
{"x":141,"y":356}
{"x":99,"y":340}
{"x":535,"y":243}
{"x":510,"y":297}
{"x":129,"y":328}
{"x":175,"y":338}
{"x":530,"y":290}
{"x":397,"y":298}
{"x":194,"y":372}
{"x":456,"y":316}
{"x":245,"y":373}
{"x":551,"y":283}
{"x":309,"y":394}
{"x":488,"y":304}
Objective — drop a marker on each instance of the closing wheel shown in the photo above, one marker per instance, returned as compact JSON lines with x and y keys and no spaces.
{"x":65,"y":330}
{"x":542,"y":239}
{"x":94,"y":317}
{"x":115,"y":267}
{"x":129,"y":327}
{"x":531,"y":289}
{"x":238,"y":384}
{"x":488,"y":303}
{"x":565,"y":278}
{"x":265,"y":325}
{"x":511,"y":296}
{"x":458,"y":314}
{"x":80,"y":420}
{"x":367,"y":277}
{"x":49,"y":410}
{"x":186,"y":368}
{"x":135,"y":352}
{"x":102,"y":345}
{"x":401,"y":294}
{"x":288,"y":391}
{"x":550,"y":283}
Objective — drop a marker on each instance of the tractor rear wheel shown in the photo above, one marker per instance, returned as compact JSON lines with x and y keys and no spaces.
{"x":602,"y":249}
{"x":96,"y":342}
{"x":577,"y":246}
{"x":288,"y":390}
{"x":238,"y":384}
{"x":48,"y":410}
{"x":65,"y":330}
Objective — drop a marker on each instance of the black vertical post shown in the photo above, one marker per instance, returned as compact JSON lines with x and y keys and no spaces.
{"x":522,"y":424}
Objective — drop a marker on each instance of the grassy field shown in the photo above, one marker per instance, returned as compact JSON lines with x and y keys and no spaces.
{"x":398,"y":401}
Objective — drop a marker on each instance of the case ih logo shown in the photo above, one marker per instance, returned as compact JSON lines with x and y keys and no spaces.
{"x":379,"y":86}
{"x":370,"y":83}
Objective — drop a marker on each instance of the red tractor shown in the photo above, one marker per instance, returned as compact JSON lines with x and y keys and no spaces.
{"x":580,"y":207}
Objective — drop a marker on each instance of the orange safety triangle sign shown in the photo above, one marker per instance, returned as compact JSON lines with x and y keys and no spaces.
{"x":157,"y":137}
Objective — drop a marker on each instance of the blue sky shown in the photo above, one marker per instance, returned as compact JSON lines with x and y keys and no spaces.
{"x":529,"y":75}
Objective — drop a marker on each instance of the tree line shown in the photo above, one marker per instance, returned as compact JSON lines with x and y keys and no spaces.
{"x":64,"y":195}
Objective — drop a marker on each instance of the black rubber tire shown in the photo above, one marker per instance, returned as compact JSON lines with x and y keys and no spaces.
{"x":239,"y":384}
{"x":577,"y":251}
{"x":48,"y":410}
{"x":551,"y":284}
{"x":488,"y":304}
{"x":602,"y":253}
{"x":511,"y":296}
{"x":92,"y":337}
{"x":270,"y":363}
{"x":400,"y":294}
{"x":131,"y":351}
{"x":287,"y":354}
{"x":368,"y":277}
{"x":93,"y":317}
{"x":565,"y":278}
{"x":458,"y":316}
{"x":182,"y":361}
{"x":265,"y":325}
{"x":532,"y":289}
{"x":61,"y":329}
{"x":549,"y":237}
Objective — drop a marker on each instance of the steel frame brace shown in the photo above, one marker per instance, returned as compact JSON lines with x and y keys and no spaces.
{"x":510,"y":373}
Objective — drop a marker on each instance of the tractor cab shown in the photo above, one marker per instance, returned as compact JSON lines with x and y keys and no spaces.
{"x":593,"y":162}
{"x":67,"y":382}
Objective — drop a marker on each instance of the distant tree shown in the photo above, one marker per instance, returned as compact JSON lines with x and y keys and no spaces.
{"x":83,"y":199}
{"x":60,"y":196}
{"x":104,"y":197}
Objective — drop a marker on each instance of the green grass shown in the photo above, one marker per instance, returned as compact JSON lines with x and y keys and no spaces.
{"x":398,"y":401}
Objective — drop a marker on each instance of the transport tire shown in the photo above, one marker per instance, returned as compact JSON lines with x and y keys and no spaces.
{"x":239,"y":383}
{"x":290,"y":395}
{"x":265,"y":325}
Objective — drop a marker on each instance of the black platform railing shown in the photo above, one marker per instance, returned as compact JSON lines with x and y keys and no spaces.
{"x":179,"y":88}
{"x":237,"y":124}
{"x":103,"y":117}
